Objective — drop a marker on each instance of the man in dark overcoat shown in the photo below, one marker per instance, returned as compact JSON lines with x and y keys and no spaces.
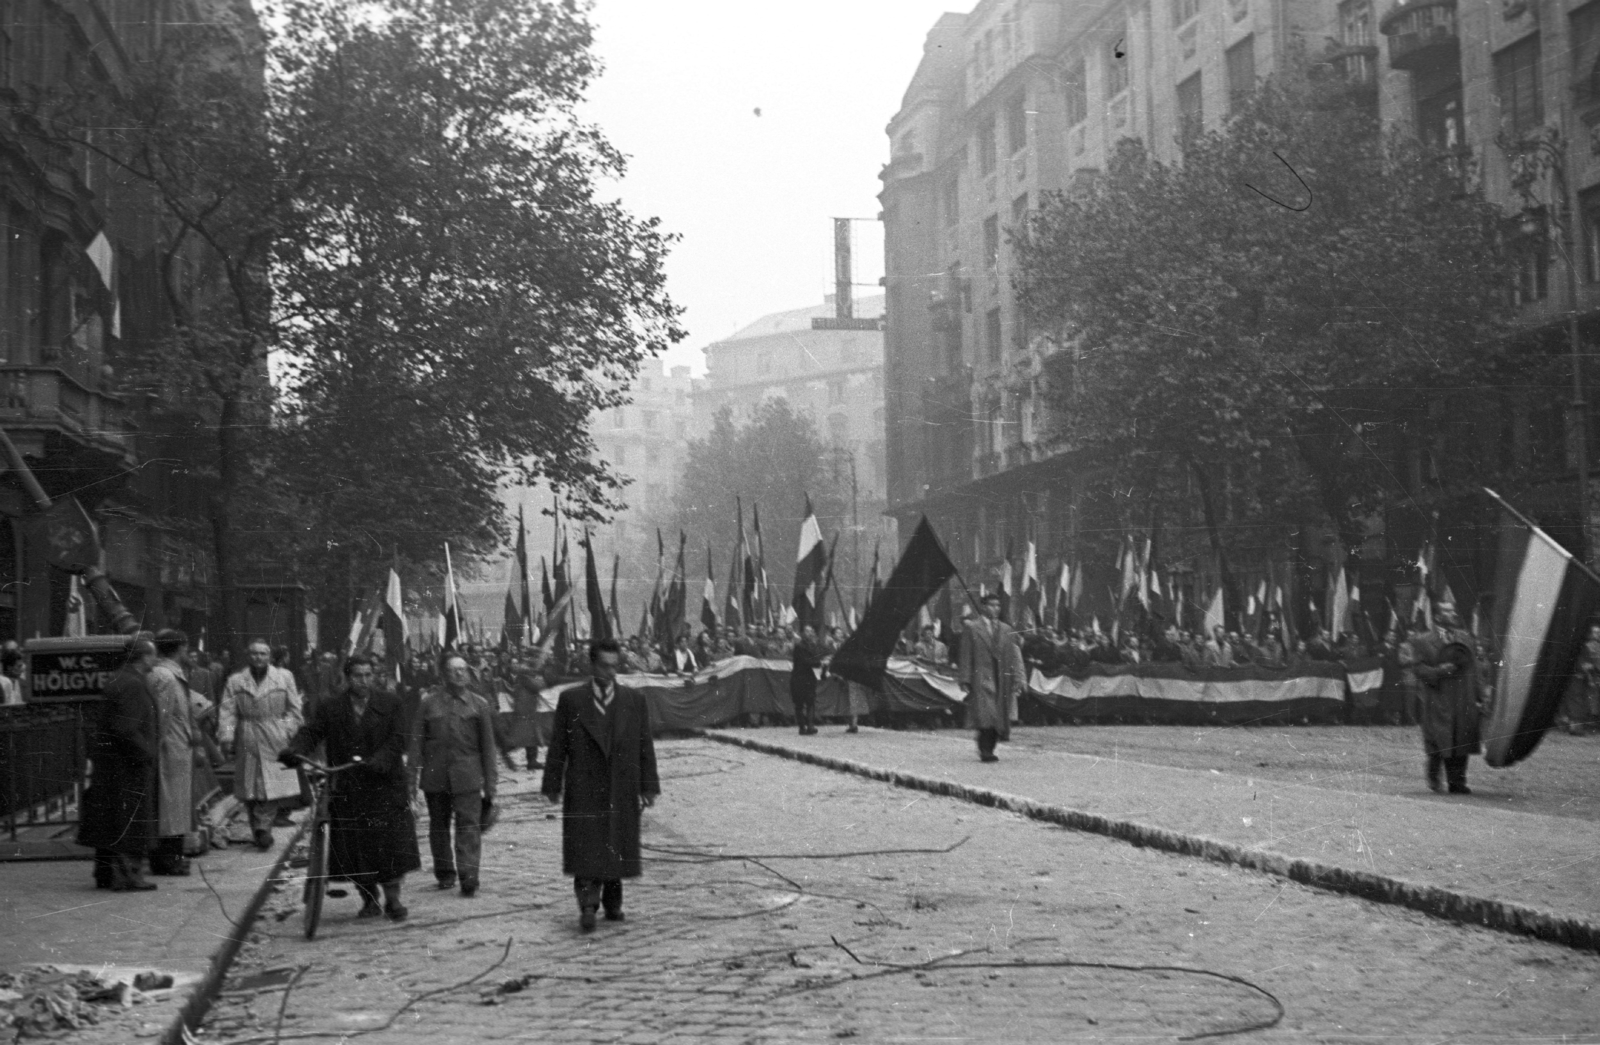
{"x":991,"y":669}
{"x":602,"y":759}
{"x":372,"y":837}
{"x":118,"y":818}
{"x":804,"y":659}
{"x":1447,"y":676}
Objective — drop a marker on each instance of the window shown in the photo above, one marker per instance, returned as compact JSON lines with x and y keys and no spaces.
{"x":1191,"y":117}
{"x":991,"y":335}
{"x":1516,"y":78}
{"x":619,"y":419}
{"x":650,"y":419}
{"x":620,"y":456}
{"x":1531,"y":273}
{"x":950,"y":201}
{"x":1585,"y":38}
{"x":1439,"y":120}
{"x":1017,"y":121}
{"x":1355,"y":23}
{"x":991,"y":241}
{"x":1077,"y":86}
{"x":1116,"y":67}
{"x":986,"y":145}
{"x":1241,"y":72}
{"x":1183,"y":11}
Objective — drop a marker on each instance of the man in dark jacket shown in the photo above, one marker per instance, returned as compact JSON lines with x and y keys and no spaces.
{"x":602,"y":759}
{"x":1447,"y":673}
{"x":118,"y":819}
{"x":804,"y":660}
{"x":373,"y":838}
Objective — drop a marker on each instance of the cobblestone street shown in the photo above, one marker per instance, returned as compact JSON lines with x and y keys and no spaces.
{"x":774,"y":907}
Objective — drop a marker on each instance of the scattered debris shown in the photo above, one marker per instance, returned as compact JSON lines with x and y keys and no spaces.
{"x":42,"y":1001}
{"x":497,"y":994}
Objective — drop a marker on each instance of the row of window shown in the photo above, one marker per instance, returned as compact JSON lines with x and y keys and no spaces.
{"x":1241,"y":67}
{"x":1015,"y":113}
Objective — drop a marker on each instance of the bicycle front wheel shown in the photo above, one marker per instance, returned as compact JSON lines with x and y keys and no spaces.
{"x":316,"y":876}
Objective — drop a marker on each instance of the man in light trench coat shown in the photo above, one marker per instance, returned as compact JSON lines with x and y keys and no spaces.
{"x":260,"y":711}
{"x":180,"y":738}
{"x":991,"y":669}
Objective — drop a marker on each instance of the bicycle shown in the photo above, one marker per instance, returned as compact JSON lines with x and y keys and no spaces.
{"x":316,"y":887}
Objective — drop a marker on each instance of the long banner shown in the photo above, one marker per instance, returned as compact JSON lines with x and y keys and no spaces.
{"x":1163,"y":693}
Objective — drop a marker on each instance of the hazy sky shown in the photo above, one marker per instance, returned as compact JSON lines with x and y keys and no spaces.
{"x":752,"y":195}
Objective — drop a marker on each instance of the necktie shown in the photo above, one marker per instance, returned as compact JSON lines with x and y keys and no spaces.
{"x":602,"y":699}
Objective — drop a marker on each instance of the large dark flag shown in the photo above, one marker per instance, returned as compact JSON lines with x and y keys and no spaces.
{"x":616,"y":608}
{"x":511,"y":629}
{"x":525,"y":610}
{"x":736,"y":610}
{"x":393,"y":621}
{"x":917,"y":577}
{"x":809,"y":565}
{"x":761,"y":591}
{"x":599,"y":619}
{"x":820,"y":620}
{"x":1543,"y":602}
{"x":452,"y":607}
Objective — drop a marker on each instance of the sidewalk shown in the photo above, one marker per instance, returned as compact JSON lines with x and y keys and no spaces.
{"x":51,"y":912}
{"x":1443,"y":854}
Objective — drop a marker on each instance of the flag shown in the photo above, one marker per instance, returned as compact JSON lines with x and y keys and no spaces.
{"x":1030,"y":586}
{"x":545,"y":596}
{"x":1006,"y":588}
{"x":354,"y":637}
{"x":810,"y":562}
{"x":1214,"y":613}
{"x":1063,"y":595}
{"x":736,"y":608}
{"x":77,"y":624}
{"x":708,"y":601}
{"x":875,"y":579}
{"x":452,"y":608}
{"x":393,"y":620}
{"x":616,"y":609}
{"x":827,"y":582}
{"x":511,"y":629}
{"x":761,"y":592}
{"x":1338,"y":607}
{"x":1128,"y":567}
{"x":672,"y":620}
{"x":917,"y":577}
{"x":1142,"y":573}
{"x":1544,"y":600}
{"x":525,"y":609}
{"x":599,"y":619}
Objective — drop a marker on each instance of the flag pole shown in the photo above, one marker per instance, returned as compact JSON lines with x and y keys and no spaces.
{"x":1530,"y":524}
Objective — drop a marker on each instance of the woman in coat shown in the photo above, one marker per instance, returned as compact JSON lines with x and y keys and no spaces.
{"x":373,"y":838}
{"x":118,"y":818}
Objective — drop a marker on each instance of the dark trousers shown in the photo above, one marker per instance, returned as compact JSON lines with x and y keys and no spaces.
{"x":598,"y":892}
{"x":987,"y":738}
{"x":1455,"y":769}
{"x":112,"y":869}
{"x":462,"y":858}
{"x":167,"y":856}
{"x":805,"y":710}
{"x":533,"y":754}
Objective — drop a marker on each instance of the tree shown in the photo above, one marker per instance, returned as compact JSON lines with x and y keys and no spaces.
{"x":398,"y":200}
{"x":773,"y":461}
{"x":1254,"y":335}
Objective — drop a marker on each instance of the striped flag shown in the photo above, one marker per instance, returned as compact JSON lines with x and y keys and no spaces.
{"x":1543,"y":602}
{"x":810,"y":562}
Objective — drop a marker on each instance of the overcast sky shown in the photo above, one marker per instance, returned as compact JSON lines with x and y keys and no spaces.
{"x":752,"y":195}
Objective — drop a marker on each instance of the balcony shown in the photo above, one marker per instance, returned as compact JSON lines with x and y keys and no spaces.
{"x":45,"y":399}
{"x":1422,"y":35}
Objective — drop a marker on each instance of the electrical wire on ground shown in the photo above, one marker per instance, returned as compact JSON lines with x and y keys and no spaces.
{"x":947,"y":962}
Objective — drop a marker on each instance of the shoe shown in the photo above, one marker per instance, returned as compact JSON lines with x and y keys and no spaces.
{"x":370,"y":909}
{"x":1460,"y":789}
{"x":586,"y":919}
{"x":614,"y":914}
{"x":469,"y":886}
{"x":988,"y":758}
{"x":263,"y":839}
{"x":176,"y":869}
{"x":396,"y":912}
{"x":1435,"y":786}
{"x":282,"y":820}
{"x":447,"y":882}
{"x":853,"y":729}
{"x":136,"y":885}
{"x":535,"y":765}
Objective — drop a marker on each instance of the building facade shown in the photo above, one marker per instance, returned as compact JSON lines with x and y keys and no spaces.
{"x":80,"y":283}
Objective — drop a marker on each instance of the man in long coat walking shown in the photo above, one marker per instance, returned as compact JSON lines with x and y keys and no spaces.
{"x":180,"y":739}
{"x":804,"y":659}
{"x":260,"y":711}
{"x":118,"y":819}
{"x":991,"y":669}
{"x":602,"y":758}
{"x":373,"y":838}
{"x":1447,"y":674}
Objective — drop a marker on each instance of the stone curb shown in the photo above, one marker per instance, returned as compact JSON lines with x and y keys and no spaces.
{"x":205,"y":992}
{"x":1499,"y":915}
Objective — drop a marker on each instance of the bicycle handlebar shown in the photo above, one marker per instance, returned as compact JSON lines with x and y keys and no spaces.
{"x":313,"y":766}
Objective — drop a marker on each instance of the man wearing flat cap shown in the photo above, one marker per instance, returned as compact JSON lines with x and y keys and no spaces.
{"x":991,"y":669}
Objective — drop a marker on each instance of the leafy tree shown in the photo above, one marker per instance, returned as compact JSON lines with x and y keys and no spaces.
{"x":774,"y":460}
{"x":398,"y":200}
{"x":1256,"y":333}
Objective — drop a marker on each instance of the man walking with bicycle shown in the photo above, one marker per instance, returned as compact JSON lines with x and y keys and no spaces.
{"x":373,"y":838}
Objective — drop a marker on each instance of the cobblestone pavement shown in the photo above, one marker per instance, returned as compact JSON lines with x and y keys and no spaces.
{"x":1561,"y":777}
{"x":751,"y":925}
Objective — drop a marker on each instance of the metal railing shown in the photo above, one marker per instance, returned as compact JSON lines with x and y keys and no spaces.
{"x":43,"y":756}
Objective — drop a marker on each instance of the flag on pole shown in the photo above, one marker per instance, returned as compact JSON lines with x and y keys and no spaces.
{"x":1142,"y":573}
{"x":735,"y":606}
{"x":599,"y":619}
{"x":1030,"y":587}
{"x":827,"y":582}
{"x":875,"y":579}
{"x":708,"y":600}
{"x":921,"y":572}
{"x":354,"y":636}
{"x":616,"y":608}
{"x":393,"y":622}
{"x":1006,"y":589}
{"x":511,"y":628}
{"x":1544,"y":600}
{"x":452,"y":606}
{"x":761,"y":592}
{"x":810,"y":562}
{"x":1128,"y":567}
{"x":1214,"y":613}
{"x":545,"y":596}
{"x":1338,"y":607}
{"x":525,"y":607}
